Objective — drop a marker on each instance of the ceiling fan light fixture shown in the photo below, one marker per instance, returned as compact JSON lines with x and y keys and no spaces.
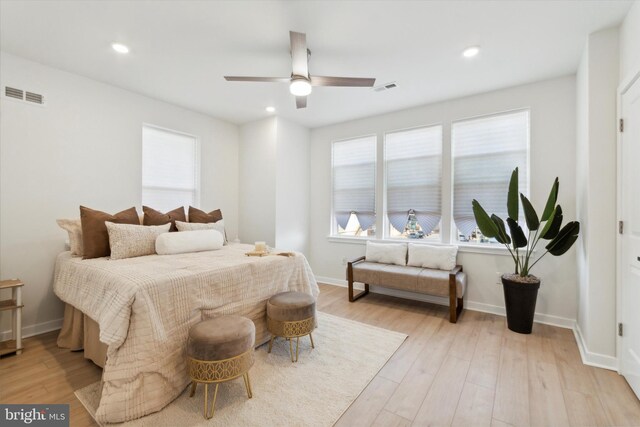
{"x":300,"y":87}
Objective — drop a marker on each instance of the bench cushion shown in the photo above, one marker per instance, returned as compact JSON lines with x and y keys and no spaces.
{"x":414,"y":279}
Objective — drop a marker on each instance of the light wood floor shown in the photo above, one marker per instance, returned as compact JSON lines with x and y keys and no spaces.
{"x":472,"y":373}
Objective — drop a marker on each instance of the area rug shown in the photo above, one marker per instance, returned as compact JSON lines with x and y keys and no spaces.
{"x":315,"y":391}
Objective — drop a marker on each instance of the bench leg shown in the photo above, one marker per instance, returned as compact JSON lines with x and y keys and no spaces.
{"x":353,"y":297}
{"x":455,"y":304}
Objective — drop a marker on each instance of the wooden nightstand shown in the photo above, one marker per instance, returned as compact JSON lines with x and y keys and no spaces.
{"x":15,"y":305}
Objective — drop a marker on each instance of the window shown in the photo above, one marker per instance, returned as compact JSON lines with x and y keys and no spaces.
{"x":485,"y":152}
{"x":354,"y":186}
{"x":413,"y":165}
{"x":169,"y":169}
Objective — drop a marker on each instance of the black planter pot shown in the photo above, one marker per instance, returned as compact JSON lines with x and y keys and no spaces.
{"x":520,"y":303}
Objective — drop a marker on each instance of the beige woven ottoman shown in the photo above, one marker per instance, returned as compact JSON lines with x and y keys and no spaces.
{"x":291,"y":315}
{"x":220,"y":349}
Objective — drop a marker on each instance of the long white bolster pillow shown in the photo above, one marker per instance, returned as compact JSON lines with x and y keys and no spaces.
{"x":189,"y":241}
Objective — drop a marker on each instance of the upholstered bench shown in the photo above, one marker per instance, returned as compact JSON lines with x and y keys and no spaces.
{"x":395,"y":273}
{"x":291,"y":315}
{"x":220,"y":349}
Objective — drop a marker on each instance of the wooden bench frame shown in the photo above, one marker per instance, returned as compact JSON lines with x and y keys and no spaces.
{"x":455,"y":304}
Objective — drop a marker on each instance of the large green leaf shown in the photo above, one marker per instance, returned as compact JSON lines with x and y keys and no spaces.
{"x":517,"y":235}
{"x":565,"y":239}
{"x":551,"y":201}
{"x":552,"y":226}
{"x":512,"y":197}
{"x":502,"y":236}
{"x":530,"y":214}
{"x":485,"y":223}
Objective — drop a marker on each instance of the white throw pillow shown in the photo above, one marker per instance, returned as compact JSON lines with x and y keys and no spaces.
{"x":386,"y":253}
{"x":193,"y":226}
{"x":74,"y":228}
{"x":189,"y":241}
{"x":130,"y":240}
{"x":428,"y":256}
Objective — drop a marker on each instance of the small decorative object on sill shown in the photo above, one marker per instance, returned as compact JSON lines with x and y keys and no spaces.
{"x":413,"y":229}
{"x":521,"y":287}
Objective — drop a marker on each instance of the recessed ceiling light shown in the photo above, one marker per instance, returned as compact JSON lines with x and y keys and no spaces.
{"x":470,"y":52}
{"x":270,"y":109}
{"x":120,"y":48}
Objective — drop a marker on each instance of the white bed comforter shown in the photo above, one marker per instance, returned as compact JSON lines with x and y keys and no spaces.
{"x":145,"y":306}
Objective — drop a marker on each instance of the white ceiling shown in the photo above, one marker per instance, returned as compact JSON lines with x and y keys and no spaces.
{"x":181,"y":49}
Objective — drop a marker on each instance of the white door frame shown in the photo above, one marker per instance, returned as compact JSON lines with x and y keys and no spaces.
{"x":624,"y":86}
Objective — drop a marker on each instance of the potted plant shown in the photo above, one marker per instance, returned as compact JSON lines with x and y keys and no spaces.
{"x":521,"y":287}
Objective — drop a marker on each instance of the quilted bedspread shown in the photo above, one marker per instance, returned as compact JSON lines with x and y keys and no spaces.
{"x":145,"y":306}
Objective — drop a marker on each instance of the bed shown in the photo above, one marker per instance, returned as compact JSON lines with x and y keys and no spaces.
{"x":144,"y":306}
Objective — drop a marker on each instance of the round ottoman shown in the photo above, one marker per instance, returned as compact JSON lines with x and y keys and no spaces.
{"x":218,"y":350}
{"x":291,"y":315}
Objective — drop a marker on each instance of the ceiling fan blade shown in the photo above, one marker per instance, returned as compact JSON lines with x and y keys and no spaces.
{"x":257,"y":79}
{"x":342,"y":81}
{"x":299,"y":57}
{"x":301,"y":102}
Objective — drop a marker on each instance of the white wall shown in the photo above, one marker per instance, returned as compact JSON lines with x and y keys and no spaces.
{"x":598,"y":78}
{"x":258,"y":181}
{"x":630,"y":43}
{"x":552,"y":104}
{"x":84,"y":147}
{"x":292,"y":183}
{"x":274,"y":184}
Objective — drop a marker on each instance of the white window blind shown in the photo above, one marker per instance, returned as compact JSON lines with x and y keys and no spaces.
{"x":485,"y":152}
{"x":354,"y":181}
{"x":413,"y":161}
{"x":169,"y":169}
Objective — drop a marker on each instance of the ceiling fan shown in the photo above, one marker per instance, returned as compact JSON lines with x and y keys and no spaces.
{"x":301,"y":82}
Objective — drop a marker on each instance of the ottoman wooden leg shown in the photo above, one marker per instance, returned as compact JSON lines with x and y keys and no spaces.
{"x":193,"y":388}
{"x":273,"y":337}
{"x":311,"y":336}
{"x":291,"y":350}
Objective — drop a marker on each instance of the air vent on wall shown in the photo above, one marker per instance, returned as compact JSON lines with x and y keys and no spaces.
{"x":12,"y":92}
{"x":385,"y":86}
{"x":34,"y":97}
{"x":24,"y":96}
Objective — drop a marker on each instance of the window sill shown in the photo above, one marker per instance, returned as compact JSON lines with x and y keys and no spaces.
{"x":351,"y":239}
{"x":462,"y":247}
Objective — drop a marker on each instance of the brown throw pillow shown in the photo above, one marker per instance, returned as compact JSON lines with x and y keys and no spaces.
{"x":196,"y":215}
{"x":95,"y":237}
{"x":153,"y":217}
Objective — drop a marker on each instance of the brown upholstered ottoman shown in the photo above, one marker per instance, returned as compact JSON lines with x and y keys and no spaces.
{"x":218,"y":350}
{"x":291,"y":315}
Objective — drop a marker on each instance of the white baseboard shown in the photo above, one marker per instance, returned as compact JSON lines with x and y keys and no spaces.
{"x":593,"y":359}
{"x":547,"y":319}
{"x":31,"y":330}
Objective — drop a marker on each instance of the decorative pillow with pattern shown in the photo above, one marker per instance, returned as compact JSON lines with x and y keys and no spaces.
{"x":128,"y":240}
{"x":74,"y":228}
{"x":190,"y":226}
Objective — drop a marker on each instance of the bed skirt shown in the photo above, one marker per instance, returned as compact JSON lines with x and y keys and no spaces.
{"x":81,"y":332}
